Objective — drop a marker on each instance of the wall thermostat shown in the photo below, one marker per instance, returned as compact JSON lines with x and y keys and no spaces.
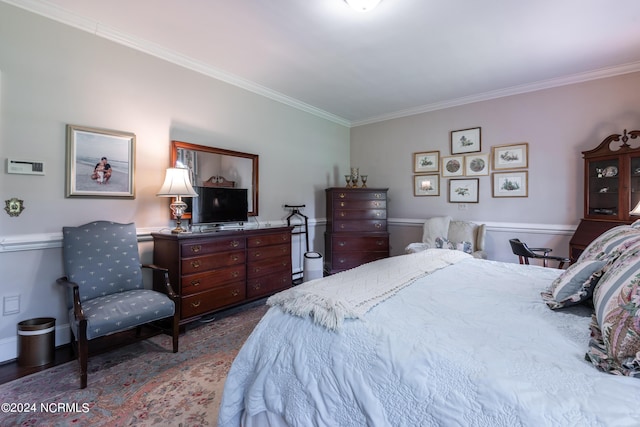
{"x":25,"y":167}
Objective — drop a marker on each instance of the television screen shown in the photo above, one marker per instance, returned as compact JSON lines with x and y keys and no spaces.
{"x":220,"y":205}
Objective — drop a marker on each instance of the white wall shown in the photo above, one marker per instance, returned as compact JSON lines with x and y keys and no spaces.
{"x":557,"y":123}
{"x":52,"y":75}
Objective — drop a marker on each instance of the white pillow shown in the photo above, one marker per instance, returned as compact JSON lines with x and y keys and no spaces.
{"x":434,"y":228}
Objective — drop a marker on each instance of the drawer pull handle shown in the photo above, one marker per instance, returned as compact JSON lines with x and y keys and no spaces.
{"x":342,"y":195}
{"x":195,"y":283}
{"x":195,"y":304}
{"x":376,"y":204}
{"x":378,"y":225}
{"x":257,"y":286}
{"x":195,"y":264}
{"x":256,"y":270}
{"x":341,"y":225}
{"x":342,"y":261}
{"x":285,"y":263}
{"x":258,"y":242}
{"x":235,"y":292}
{"x":342,"y":204}
{"x":342,"y":244}
{"x":195,"y":249}
{"x":235,"y":258}
{"x":257,"y":254}
{"x":343,"y":214}
{"x":378,"y":196}
{"x":380,"y":242}
{"x":234,"y":274}
{"x":285,"y":237}
{"x":235,"y":243}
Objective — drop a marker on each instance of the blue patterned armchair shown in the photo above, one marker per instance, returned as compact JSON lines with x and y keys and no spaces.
{"x":105,"y":293}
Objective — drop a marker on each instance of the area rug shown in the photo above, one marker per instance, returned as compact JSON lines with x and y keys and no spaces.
{"x":142,"y":384}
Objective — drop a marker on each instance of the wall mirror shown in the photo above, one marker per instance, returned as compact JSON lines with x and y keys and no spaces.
{"x":217,"y":167}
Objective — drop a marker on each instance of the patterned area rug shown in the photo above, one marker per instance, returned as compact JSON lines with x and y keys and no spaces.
{"x":137,"y":385}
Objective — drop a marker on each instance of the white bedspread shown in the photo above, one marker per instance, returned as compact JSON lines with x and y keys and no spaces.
{"x":353,"y":293}
{"x":471,"y":344}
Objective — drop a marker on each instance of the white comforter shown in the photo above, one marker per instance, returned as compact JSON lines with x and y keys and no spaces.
{"x":471,"y":344}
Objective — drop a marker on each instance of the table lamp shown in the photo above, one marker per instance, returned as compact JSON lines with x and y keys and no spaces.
{"x":177,"y":184}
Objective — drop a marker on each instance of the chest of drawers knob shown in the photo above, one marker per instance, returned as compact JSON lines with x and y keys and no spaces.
{"x":195,"y":249}
{"x":195,"y":264}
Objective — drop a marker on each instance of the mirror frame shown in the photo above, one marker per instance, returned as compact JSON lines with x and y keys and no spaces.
{"x":176,"y":145}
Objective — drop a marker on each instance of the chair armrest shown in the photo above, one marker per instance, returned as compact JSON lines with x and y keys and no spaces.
{"x":544,"y":250}
{"x":78,"y":312}
{"x":165,"y":274}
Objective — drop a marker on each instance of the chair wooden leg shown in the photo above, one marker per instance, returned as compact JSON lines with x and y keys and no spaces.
{"x":176,"y":331}
{"x":83,"y":353}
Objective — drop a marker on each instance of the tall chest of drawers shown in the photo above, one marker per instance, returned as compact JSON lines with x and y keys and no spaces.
{"x":213,"y":271}
{"x":356,"y":227}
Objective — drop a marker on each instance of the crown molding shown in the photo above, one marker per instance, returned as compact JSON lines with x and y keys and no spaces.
{"x":51,"y":11}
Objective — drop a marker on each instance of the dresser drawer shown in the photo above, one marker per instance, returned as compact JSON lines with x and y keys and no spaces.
{"x":359,"y":195}
{"x":203,"y":302}
{"x":192,"y":249}
{"x":268,"y":266}
{"x":359,"y":243}
{"x":360,"y":204}
{"x":356,"y":214}
{"x":209,"y":262}
{"x":363,"y":225}
{"x":266,"y":285}
{"x":194,"y":283}
{"x":346,"y":260}
{"x":269,"y":239}
{"x":255,"y":254}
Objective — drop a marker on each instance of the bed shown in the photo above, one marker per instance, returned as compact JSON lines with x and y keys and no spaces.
{"x":460,"y":342}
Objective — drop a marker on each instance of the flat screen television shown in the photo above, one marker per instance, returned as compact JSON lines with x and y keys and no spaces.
{"x":219,"y":205}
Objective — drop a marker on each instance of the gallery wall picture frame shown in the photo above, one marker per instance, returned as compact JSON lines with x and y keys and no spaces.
{"x":464,"y":190}
{"x":510,"y":184}
{"x":476,"y":164}
{"x":510,"y":156}
{"x":452,"y":166}
{"x":426,"y":161}
{"x":426,"y":185}
{"x":100,"y":163}
{"x":466,"y":141}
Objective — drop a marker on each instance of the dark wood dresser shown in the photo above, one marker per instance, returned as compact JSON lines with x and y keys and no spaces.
{"x":217,"y":270}
{"x":356,"y":227}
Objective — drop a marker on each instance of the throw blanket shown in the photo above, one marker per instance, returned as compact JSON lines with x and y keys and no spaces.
{"x":352,"y":293}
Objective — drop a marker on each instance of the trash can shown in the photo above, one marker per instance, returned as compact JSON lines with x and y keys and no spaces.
{"x":312,"y":266}
{"x":36,"y":341}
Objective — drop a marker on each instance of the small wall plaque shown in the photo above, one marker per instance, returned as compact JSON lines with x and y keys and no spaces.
{"x":14,"y":206}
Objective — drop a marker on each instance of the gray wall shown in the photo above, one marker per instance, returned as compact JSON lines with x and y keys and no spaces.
{"x":52,"y":75}
{"x":557,"y":123}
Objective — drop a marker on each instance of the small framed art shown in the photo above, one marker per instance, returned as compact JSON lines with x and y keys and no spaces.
{"x":463,"y":190}
{"x":100,"y":163}
{"x":426,"y":185}
{"x":510,"y":156}
{"x":427,"y":161}
{"x":465,"y":141}
{"x":476,"y":164}
{"x":453,"y":166}
{"x":510,"y":184}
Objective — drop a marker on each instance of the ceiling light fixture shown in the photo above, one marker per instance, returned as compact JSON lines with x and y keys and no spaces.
{"x":362,"y":5}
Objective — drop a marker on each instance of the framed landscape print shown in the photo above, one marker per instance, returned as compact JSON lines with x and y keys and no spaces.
{"x":463,"y":190}
{"x":510,"y":156}
{"x":426,"y":185}
{"x":465,"y":141}
{"x":100,"y":163}
{"x":428,"y":161}
{"x":453,"y":166}
{"x":510,"y":184}
{"x":476,"y":164}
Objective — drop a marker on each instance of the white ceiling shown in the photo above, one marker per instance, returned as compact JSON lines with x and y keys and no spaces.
{"x":405,"y":57}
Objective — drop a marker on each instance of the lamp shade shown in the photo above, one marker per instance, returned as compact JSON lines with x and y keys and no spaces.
{"x":177,"y":183}
{"x":636,"y":210}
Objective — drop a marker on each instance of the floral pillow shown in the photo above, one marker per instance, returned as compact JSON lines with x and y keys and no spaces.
{"x":574,"y":285}
{"x":616,"y":302}
{"x":613,"y":241}
{"x":443,"y":243}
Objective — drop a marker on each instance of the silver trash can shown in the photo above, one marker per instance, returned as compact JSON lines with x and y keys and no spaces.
{"x":36,"y":341}
{"x":312,"y":266}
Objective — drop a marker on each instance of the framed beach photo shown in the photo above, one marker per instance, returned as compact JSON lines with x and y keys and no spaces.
{"x":100,"y":163}
{"x":476,"y":164}
{"x":453,"y":166}
{"x":426,"y":185}
{"x":465,"y":141}
{"x":428,"y":161}
{"x":510,"y":156}
{"x":463,"y":190}
{"x":510,"y":184}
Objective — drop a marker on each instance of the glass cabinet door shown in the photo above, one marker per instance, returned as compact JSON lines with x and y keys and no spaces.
{"x":604,"y":184}
{"x":634,"y":185}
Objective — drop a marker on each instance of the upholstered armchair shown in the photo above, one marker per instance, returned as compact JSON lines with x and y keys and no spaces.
{"x":444,"y":232}
{"x":105,"y":293}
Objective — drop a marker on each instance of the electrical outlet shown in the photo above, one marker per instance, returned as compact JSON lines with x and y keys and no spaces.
{"x":462,"y":206}
{"x":11,"y":305}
